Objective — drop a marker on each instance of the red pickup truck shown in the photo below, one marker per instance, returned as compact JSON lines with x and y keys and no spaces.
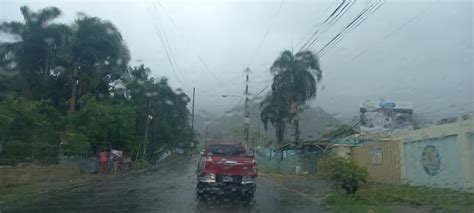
{"x":226,"y":168}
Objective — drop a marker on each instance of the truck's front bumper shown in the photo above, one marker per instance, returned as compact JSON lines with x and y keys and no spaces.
{"x":244,"y":186}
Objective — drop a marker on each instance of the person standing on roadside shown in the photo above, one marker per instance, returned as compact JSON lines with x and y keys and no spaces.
{"x":103,"y":160}
{"x":115,"y":156}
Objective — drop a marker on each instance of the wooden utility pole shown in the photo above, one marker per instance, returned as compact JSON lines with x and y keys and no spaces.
{"x":246,"y":109}
{"x":207,"y":133}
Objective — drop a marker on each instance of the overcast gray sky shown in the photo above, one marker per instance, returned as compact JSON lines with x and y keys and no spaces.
{"x":417,"y":51}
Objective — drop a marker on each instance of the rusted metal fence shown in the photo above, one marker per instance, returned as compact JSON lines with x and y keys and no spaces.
{"x":382,"y":161}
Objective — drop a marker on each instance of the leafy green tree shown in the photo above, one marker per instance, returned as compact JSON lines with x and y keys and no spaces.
{"x":83,"y":67}
{"x":31,"y":49}
{"x":96,"y":56}
{"x":161,"y":110}
{"x":294,"y":83}
{"x":274,"y":111}
{"x":28,"y":130}
{"x":100,"y":124}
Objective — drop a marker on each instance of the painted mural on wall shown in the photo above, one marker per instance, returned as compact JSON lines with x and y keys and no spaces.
{"x":431,"y":160}
{"x":381,"y":116}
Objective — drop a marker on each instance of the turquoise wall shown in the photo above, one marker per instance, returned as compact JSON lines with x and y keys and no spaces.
{"x":434,"y":162}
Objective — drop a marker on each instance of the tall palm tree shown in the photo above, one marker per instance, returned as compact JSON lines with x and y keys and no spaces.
{"x":97,"y":56}
{"x":274,"y":111}
{"x":294,"y":83}
{"x":31,"y":48}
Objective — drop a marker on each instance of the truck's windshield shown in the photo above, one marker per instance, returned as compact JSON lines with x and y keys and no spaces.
{"x":224,"y":150}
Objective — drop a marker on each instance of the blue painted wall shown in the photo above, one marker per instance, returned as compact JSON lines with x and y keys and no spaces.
{"x":434,"y":162}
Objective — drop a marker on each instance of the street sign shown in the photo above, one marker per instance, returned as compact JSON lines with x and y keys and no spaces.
{"x":376,"y":155}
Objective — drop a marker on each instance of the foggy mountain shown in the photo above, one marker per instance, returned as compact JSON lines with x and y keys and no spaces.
{"x":313,"y":121}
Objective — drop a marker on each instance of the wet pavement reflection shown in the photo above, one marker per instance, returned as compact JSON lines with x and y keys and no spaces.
{"x":167,"y":188}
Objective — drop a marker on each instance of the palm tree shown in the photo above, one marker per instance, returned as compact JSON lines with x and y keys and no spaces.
{"x":32,"y":47}
{"x":274,"y":111}
{"x":294,"y":83}
{"x":97,"y":56}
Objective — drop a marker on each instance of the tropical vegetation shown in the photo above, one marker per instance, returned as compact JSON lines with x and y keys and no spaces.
{"x":70,"y":89}
{"x":295,"y":79}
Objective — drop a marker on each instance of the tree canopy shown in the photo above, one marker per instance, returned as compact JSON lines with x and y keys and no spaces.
{"x":295,"y":79}
{"x":71,"y":86}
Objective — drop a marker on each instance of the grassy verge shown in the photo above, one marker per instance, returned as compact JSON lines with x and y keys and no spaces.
{"x":18,"y":192}
{"x":13,"y":193}
{"x":399,"y":198}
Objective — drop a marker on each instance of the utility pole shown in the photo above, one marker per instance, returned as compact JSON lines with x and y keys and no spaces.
{"x":246,"y":108}
{"x":145,"y":140}
{"x":192,"y":116}
{"x":207,"y":133}
{"x":258,"y":133}
{"x":253,"y":144}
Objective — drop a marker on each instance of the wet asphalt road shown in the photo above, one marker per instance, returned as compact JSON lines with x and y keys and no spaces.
{"x":168,"y":188}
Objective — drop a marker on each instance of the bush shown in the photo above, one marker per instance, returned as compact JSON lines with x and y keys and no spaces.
{"x":345,"y":172}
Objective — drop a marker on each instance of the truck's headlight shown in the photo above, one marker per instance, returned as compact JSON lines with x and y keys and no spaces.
{"x":209,"y":178}
{"x":212,"y":176}
{"x":247,"y":180}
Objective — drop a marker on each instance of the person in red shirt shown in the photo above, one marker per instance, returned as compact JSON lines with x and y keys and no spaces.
{"x":103,"y":160}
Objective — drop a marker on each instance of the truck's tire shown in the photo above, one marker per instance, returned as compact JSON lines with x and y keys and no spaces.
{"x":247,"y":196}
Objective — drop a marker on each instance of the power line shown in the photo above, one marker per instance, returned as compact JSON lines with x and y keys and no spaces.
{"x":335,"y":13}
{"x":335,"y":16}
{"x":396,"y":30}
{"x":239,"y":76}
{"x":261,"y":91}
{"x":167,"y":15}
{"x":212,"y":73}
{"x":266,"y":87}
{"x":335,"y":20}
{"x":409,"y":21}
{"x":340,"y":34}
{"x":342,"y":13}
{"x":359,"y":19}
{"x":266,"y":33}
{"x":313,"y":36}
{"x":164,"y":32}
{"x":197,"y":54}
{"x":166,"y":48}
{"x":325,"y":11}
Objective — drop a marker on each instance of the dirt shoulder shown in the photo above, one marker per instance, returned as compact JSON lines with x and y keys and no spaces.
{"x":24,"y":191}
